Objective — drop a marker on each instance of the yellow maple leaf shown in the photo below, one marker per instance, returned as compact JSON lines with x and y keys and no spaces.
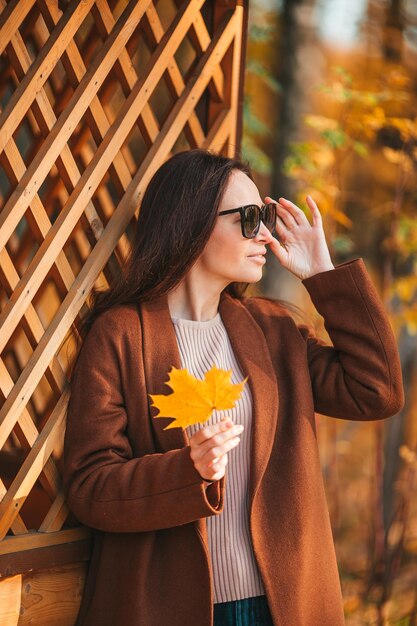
{"x":193,"y":400}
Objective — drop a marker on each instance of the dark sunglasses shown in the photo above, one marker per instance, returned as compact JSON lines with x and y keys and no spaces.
{"x":251,"y":216}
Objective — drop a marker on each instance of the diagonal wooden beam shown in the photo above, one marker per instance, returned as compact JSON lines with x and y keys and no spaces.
{"x":50,"y":477}
{"x":57,"y":513}
{"x":219,"y":132}
{"x":33,"y":465}
{"x":11,"y":17}
{"x":234,"y":88}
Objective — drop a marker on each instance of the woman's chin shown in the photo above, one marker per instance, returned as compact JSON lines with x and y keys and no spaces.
{"x":249,"y":277}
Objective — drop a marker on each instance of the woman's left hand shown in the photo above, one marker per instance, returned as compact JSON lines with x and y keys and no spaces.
{"x":305,"y":252}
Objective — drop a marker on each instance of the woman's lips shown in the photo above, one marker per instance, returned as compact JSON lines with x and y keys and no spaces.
{"x":257,"y":257}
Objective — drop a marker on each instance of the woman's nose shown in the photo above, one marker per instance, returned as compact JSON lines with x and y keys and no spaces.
{"x":263,"y":234}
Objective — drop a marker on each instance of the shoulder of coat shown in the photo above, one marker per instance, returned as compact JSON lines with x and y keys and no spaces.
{"x":119,"y":319}
{"x":265,"y":306}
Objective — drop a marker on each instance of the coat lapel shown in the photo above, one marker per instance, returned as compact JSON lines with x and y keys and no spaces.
{"x":160,"y":351}
{"x":251,"y":350}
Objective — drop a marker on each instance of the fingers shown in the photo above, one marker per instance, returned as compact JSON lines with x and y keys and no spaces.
{"x":282,"y":218}
{"x":214,"y":453}
{"x":219,"y":440}
{"x":289,"y":212}
{"x":315,"y":213}
{"x":298,"y":215}
{"x":280,"y":251}
{"x":291,"y":215}
{"x":208,"y":431}
{"x":209,"y":447}
{"x":216,"y":469}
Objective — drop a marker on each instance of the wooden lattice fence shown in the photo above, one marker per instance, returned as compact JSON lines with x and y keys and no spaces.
{"x":94,"y":96}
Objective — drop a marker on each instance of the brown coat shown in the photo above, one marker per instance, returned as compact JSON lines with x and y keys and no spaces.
{"x":137,"y":486}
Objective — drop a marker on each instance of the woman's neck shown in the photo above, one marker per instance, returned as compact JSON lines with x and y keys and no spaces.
{"x":194,"y":300}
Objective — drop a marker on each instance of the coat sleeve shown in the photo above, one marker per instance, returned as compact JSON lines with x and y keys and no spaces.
{"x":106,"y":486}
{"x":359,"y":377}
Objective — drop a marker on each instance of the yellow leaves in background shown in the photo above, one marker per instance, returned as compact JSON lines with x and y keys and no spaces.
{"x":323,"y":158}
{"x":193,"y":400}
{"x":397,"y":157}
{"x":327,"y":201}
{"x":320,"y":122}
{"x":409,"y":456}
{"x":407,"y":127}
{"x":397,"y":79}
{"x":405,"y":288}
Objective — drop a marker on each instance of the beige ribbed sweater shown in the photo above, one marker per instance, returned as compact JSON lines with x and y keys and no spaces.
{"x":235,"y":572}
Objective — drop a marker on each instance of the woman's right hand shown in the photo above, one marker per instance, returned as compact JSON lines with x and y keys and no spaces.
{"x":209,"y":447}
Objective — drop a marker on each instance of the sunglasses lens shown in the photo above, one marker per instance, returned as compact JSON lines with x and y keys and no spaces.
{"x":270,"y":216}
{"x":251,"y":220}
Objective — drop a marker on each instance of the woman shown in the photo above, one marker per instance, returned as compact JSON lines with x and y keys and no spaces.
{"x":225,"y":522}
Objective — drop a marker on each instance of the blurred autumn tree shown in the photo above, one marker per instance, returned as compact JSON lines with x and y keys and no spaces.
{"x":343,"y":127}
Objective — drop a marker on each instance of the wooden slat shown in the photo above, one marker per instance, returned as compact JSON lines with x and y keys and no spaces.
{"x":240,"y":76}
{"x":234,"y":84}
{"x":33,"y":465}
{"x":46,"y":557}
{"x":18,"y":526}
{"x":28,"y":433}
{"x":49,"y":596}
{"x":52,"y":596}
{"x":57,"y":513}
{"x":34,"y":540}
{"x":11,"y":17}
{"x":10,"y":592}
{"x":219,"y":131}
{"x":31,"y":323}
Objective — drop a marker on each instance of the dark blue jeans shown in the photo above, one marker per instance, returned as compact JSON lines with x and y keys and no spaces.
{"x":247,"y":612}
